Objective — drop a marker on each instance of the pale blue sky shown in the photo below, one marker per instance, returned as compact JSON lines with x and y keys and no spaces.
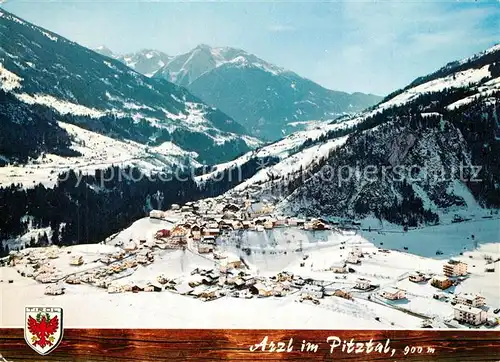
{"x":362,"y":46}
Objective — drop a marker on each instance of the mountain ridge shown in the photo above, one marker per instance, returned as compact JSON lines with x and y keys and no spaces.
{"x":105,"y":96}
{"x":263,"y":97}
{"x":440,"y":123}
{"x":269,"y":100}
{"x":144,"y":61}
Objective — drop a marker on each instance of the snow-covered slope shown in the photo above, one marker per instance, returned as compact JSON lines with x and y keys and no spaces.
{"x":103,"y":95}
{"x":268,"y":100}
{"x":95,"y":152}
{"x":383,"y":269}
{"x":433,"y":150}
{"x":302,"y":146}
{"x":470,"y":78}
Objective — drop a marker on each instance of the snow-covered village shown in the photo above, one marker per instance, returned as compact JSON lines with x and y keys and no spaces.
{"x":350,"y":182}
{"x":235,"y":262}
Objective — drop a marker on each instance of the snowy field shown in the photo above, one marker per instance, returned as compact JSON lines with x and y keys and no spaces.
{"x":450,"y":239}
{"x":168,"y":310}
{"x":320,"y":250}
{"x":287,"y":150}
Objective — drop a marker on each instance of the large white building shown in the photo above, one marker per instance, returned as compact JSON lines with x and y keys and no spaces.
{"x":470,"y":315}
{"x":468,"y":299}
{"x":454,"y":268}
{"x":363,"y":284}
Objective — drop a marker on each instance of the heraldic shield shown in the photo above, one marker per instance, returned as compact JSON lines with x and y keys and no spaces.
{"x":43,"y":328}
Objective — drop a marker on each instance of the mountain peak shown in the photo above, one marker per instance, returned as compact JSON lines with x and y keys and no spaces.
{"x":186,"y":68}
{"x":102,"y":47}
{"x":103,"y":50}
{"x":268,"y":99}
{"x":203,"y":46}
{"x":145,"y":61}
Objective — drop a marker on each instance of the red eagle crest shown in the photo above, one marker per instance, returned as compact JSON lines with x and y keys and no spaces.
{"x":42,"y":328}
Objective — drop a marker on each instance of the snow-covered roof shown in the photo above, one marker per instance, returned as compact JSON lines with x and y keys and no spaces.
{"x":264,"y":287}
{"x":231,"y":258}
{"x":391,"y":290}
{"x":455,"y":262}
{"x":199,"y":290}
{"x":465,"y":308}
{"x":196,"y":278}
{"x":155,"y":284}
{"x":469,"y":296}
{"x":363,"y":280}
{"x":239,"y":281}
{"x":183,"y":288}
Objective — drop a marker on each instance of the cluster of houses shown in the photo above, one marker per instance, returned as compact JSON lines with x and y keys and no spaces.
{"x":469,"y":308}
{"x":47,"y":273}
{"x":340,"y":266}
{"x":136,"y":287}
{"x":315,"y":290}
{"x":202,"y":222}
{"x":205,"y":220}
{"x":453,"y":271}
{"x":232,"y":278}
{"x":197,"y":225}
{"x":37,"y":265}
{"x":389,"y":293}
{"x":115,"y":266}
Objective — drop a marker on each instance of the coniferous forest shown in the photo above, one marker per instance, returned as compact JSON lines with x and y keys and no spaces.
{"x":89,"y":208}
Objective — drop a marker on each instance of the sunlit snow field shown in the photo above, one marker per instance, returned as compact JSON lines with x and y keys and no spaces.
{"x":88,"y":306}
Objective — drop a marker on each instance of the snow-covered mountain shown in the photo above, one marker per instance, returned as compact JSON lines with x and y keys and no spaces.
{"x":63,"y":81}
{"x":430,"y":150}
{"x":145,"y":61}
{"x":268,"y":100}
{"x":103,"y":50}
{"x":184,"y":69}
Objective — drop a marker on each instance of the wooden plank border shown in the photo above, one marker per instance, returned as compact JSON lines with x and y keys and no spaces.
{"x":234,"y":344}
